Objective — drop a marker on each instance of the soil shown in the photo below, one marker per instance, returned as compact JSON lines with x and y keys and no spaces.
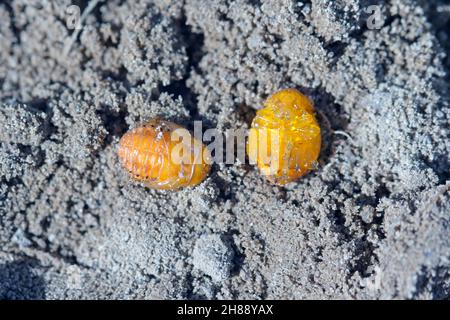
{"x":371,"y":222}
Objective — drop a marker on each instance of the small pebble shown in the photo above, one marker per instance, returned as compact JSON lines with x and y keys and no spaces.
{"x":213,"y":256}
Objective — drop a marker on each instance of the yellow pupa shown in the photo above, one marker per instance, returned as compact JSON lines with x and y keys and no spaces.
{"x":284,"y":139}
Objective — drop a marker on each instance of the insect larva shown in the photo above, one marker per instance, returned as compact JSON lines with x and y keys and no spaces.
{"x":164,"y":155}
{"x":284,"y":139}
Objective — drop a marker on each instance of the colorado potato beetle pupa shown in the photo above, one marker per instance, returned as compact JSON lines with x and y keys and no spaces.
{"x":284,"y":139}
{"x":164,"y":155}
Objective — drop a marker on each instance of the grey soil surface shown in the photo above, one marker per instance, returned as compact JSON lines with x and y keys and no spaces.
{"x":371,"y":222}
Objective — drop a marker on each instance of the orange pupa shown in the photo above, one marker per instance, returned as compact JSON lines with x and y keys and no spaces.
{"x":164,"y":155}
{"x":284,"y":139}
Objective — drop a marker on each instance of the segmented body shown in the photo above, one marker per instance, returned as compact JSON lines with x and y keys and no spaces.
{"x":284,"y":140}
{"x":149,"y":154}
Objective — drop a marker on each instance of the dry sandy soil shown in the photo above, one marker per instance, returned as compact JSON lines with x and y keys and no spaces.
{"x":371,"y":222}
